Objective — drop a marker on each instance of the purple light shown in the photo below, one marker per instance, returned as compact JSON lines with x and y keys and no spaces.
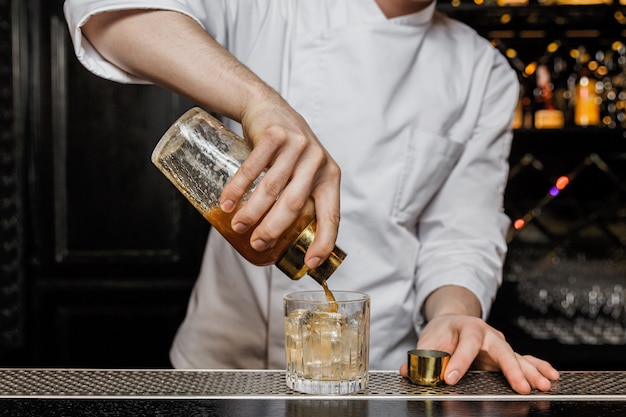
{"x":554,"y":191}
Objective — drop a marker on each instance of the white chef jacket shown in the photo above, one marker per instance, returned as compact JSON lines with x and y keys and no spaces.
{"x":417,"y":112}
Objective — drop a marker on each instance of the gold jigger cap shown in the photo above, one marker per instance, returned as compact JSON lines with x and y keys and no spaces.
{"x":427,"y":367}
{"x":292,"y":262}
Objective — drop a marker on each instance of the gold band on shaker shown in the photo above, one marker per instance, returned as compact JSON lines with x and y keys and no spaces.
{"x":292,"y":262}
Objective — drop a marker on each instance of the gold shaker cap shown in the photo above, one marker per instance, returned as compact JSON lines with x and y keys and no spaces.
{"x":292,"y":262}
{"x":427,"y":367}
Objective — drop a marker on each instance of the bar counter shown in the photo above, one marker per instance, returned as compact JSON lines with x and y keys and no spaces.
{"x":189,"y":393}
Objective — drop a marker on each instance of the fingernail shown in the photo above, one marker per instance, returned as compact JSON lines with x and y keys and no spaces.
{"x":452,"y":377}
{"x":227,"y":206}
{"x":259,"y":245}
{"x":240,"y":227}
{"x":314,"y":262}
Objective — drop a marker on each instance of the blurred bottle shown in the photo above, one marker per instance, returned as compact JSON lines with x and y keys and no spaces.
{"x":512,"y":2}
{"x":606,"y":87}
{"x":523,"y":116}
{"x":612,"y":74}
{"x":522,"y":109}
{"x":619,"y":81}
{"x":546,"y":117}
{"x":583,"y":84}
{"x":583,"y":2}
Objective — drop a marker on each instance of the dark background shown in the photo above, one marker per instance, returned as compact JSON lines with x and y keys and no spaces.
{"x":98,"y":252}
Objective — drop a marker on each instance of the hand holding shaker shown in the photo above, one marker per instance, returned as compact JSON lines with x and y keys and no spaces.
{"x":199,"y":155}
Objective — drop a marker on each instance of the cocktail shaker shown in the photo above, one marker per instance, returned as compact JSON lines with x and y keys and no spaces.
{"x":199,"y":155}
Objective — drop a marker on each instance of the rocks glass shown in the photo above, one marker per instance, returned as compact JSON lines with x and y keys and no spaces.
{"x":327,"y":342}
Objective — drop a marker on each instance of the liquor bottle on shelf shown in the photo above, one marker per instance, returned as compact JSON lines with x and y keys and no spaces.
{"x":561,"y":68}
{"x":547,"y":74}
{"x":546,"y":117}
{"x":584,"y":94}
{"x":527,"y":112}
{"x":518,"y":116}
{"x":606,"y":87}
{"x":503,"y":3}
{"x":523,"y":116}
{"x":612,"y":74}
{"x":583,"y":2}
{"x":619,"y":81}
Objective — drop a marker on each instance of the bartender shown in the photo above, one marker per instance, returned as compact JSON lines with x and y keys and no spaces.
{"x":399,"y":109}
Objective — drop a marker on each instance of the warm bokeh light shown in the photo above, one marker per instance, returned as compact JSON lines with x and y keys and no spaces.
{"x":553,"y":46}
{"x":511,"y":53}
{"x":584,"y":81}
{"x":621,"y":19}
{"x":562,"y":182}
{"x":530,"y":68}
{"x":518,"y":224}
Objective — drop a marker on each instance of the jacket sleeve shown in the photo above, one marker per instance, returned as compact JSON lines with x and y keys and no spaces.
{"x":462,"y":231}
{"x":78,"y":12}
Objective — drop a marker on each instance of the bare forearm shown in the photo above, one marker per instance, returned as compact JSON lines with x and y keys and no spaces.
{"x":451,"y":300}
{"x":173,"y":51}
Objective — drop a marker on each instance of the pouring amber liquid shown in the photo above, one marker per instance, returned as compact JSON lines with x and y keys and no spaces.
{"x":241,"y":241}
{"x":222,"y":221}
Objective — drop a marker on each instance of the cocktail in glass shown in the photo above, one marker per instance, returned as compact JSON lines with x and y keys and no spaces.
{"x":327,"y":341}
